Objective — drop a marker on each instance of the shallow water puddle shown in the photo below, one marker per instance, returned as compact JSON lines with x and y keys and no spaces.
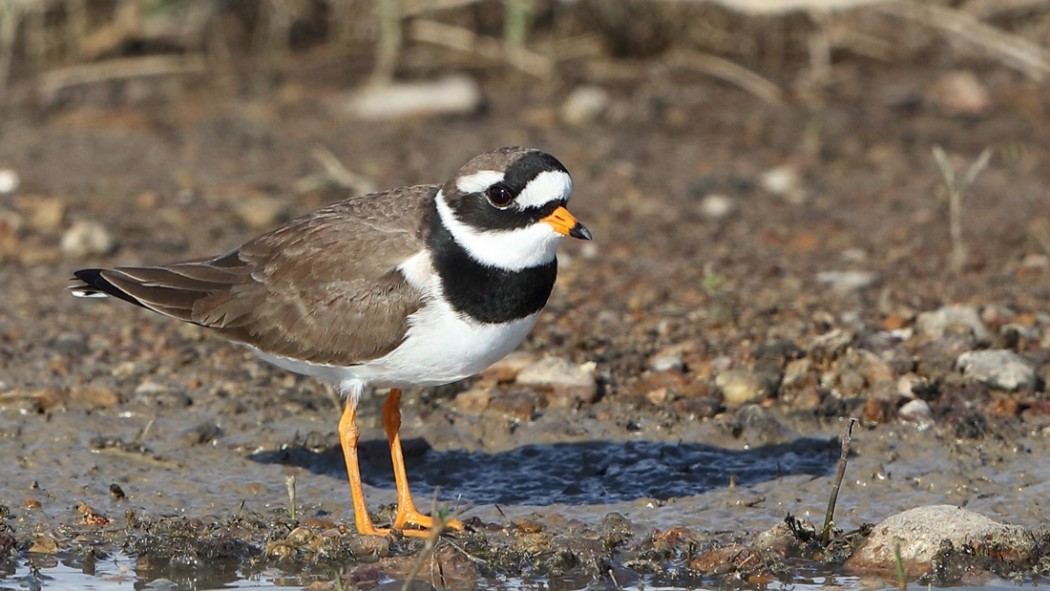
{"x":122,"y":572}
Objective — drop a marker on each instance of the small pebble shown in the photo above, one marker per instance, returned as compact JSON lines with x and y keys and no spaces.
{"x":999,"y":368}
{"x":874,"y":368}
{"x":585,"y":105}
{"x":916,"y":411}
{"x":959,"y":94}
{"x":520,"y":404}
{"x":717,"y":206}
{"x":726,"y":559}
{"x":94,"y":395}
{"x":87,"y":238}
{"x":557,"y":371}
{"x":43,"y":213}
{"x":780,"y":180}
{"x":798,"y":371}
{"x":44,"y":544}
{"x":473,"y":401}
{"x":740,"y":387}
{"x":779,"y":540}
{"x":203,"y":434}
{"x":260,"y":211}
{"x":506,"y":370}
{"x":9,"y":181}
{"x":667,"y":361}
{"x":784,"y":182}
{"x":1035,"y":262}
{"x":847,"y":281}
{"x":162,"y":395}
{"x":568,"y":383}
{"x":937,"y":323}
{"x":10,"y":223}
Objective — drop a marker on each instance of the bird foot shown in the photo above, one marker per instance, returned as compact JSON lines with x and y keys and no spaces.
{"x":426,"y":523}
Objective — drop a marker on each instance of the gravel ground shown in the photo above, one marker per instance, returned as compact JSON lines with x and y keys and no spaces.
{"x":759,"y":274}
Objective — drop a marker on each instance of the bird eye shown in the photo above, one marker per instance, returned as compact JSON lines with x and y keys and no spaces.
{"x":499,"y":195}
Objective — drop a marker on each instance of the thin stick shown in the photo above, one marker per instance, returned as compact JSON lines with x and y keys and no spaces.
{"x":388,"y":12}
{"x":339,"y":174}
{"x":957,"y":187}
{"x":290,"y":483}
{"x":462,"y":39}
{"x":1017,"y":52}
{"x":829,"y":517}
{"x":902,"y":579}
{"x":116,"y":69}
{"x":11,"y":15}
{"x":516,"y":14}
{"x":730,"y":72}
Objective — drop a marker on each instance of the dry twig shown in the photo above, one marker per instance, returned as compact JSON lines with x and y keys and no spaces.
{"x":119,"y":69}
{"x":453,"y":37}
{"x":997,"y":8}
{"x":957,"y":187}
{"x":334,"y":173}
{"x":12,"y":13}
{"x":289,"y":483}
{"x":829,"y":516}
{"x":1025,"y":56}
{"x":388,"y":47}
{"x":730,"y":72}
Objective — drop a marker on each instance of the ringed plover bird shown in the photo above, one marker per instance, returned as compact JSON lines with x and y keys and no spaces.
{"x":415,"y":286}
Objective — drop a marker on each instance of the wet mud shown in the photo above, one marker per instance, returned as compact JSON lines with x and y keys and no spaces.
{"x":726,"y":361}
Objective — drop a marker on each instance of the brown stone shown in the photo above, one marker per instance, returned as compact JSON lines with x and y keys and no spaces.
{"x":506,"y":370}
{"x":726,"y":559}
{"x":94,"y":396}
{"x":474,"y":400}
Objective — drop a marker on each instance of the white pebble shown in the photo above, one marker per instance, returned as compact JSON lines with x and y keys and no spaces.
{"x":917,"y":411}
{"x":452,"y":95}
{"x":585,"y":105}
{"x":847,"y":281}
{"x":87,"y":238}
{"x":780,"y":180}
{"x":8,"y":181}
{"x":717,"y":207}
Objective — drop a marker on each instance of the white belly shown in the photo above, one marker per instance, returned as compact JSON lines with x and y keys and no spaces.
{"x":440,"y":347}
{"x":443,"y":346}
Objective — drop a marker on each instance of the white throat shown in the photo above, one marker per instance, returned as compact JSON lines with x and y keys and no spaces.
{"x":511,"y":250}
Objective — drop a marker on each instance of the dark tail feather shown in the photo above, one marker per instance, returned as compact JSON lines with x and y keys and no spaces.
{"x":95,"y":285}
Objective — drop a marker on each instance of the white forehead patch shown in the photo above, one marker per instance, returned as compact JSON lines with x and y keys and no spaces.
{"x":548,"y":186}
{"x":512,"y":250}
{"x":478,"y":182}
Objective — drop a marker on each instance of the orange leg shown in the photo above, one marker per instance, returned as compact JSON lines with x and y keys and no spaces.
{"x":348,"y":434}
{"x":407,"y":514}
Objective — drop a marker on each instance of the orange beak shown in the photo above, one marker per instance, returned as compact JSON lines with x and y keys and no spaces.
{"x":566,"y":224}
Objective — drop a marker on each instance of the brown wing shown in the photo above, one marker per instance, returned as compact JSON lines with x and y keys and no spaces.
{"x":323,"y":288}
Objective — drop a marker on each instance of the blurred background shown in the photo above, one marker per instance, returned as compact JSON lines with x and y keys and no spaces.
{"x":823,"y":156}
{"x":803,"y":211}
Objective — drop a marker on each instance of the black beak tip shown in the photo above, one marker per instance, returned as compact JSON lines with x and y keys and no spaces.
{"x":580,"y":231}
